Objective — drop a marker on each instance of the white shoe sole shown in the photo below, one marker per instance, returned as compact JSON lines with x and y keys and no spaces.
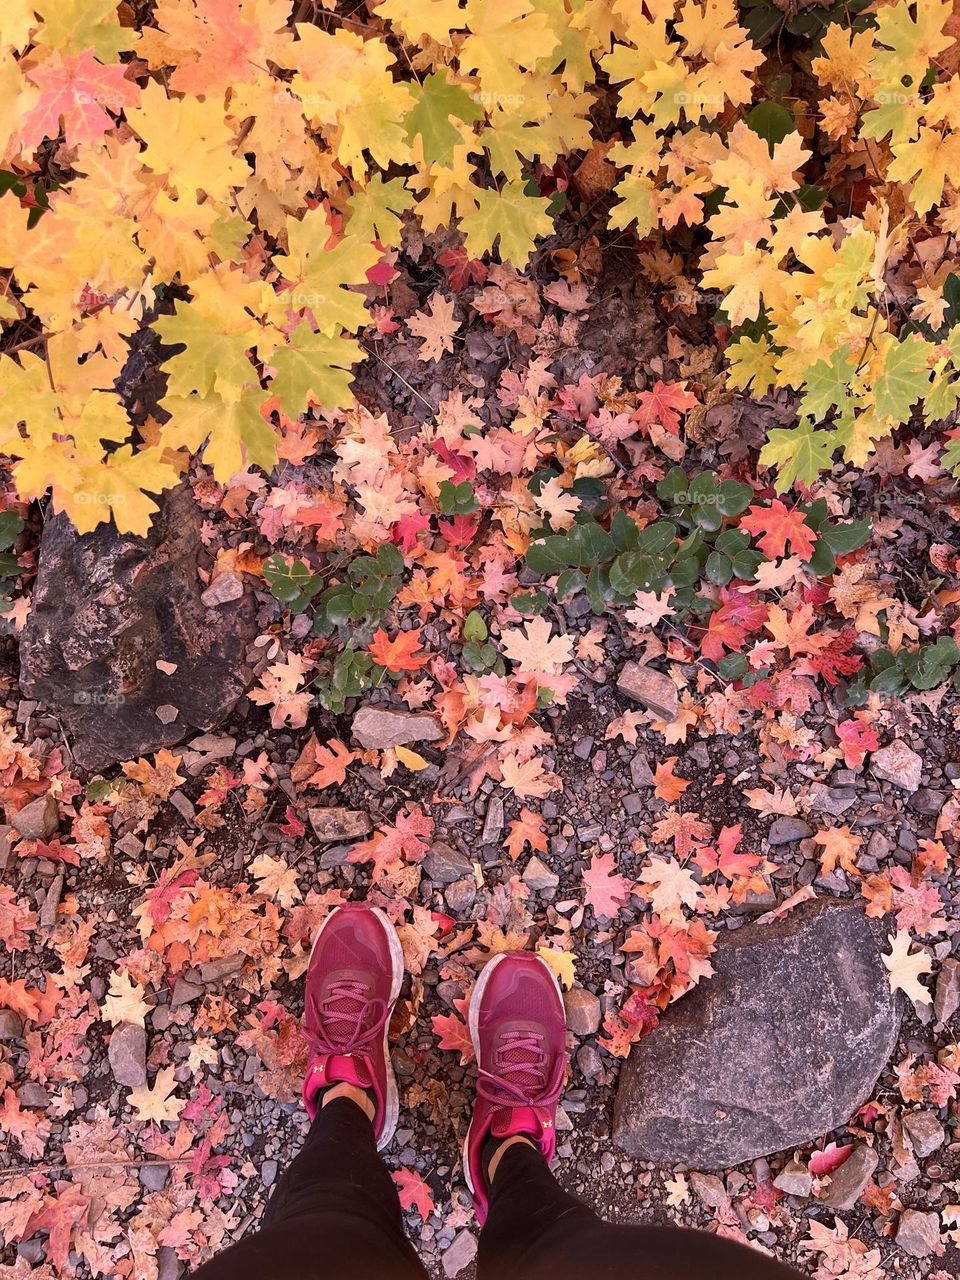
{"x":473,"y":1025}
{"x":392,"y":1100}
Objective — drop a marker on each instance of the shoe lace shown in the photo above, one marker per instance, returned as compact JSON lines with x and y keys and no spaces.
{"x":347,"y":1019}
{"x":521,"y":1075}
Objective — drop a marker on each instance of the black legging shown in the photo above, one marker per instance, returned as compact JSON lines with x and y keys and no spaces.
{"x":335,"y":1215}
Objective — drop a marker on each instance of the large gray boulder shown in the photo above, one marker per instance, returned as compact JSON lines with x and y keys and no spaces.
{"x":107,"y":607}
{"x":783,"y":1044}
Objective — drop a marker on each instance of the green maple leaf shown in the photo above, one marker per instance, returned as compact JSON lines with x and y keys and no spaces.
{"x":509,"y":216}
{"x":799,"y":453}
{"x":436,"y":101}
{"x":375,"y":211}
{"x":321,"y":276}
{"x":314,"y":367}
{"x":236,"y":433}
{"x":827,"y":383}
{"x":905,"y":378}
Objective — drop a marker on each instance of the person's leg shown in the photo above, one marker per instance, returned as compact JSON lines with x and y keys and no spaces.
{"x":533,"y":1230}
{"x":536,"y":1231}
{"x":333,"y":1215}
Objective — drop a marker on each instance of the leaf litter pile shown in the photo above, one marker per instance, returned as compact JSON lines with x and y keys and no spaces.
{"x":545,"y":658}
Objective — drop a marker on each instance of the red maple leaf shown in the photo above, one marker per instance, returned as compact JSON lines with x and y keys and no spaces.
{"x":461,"y":270}
{"x":663,"y":404}
{"x":606,"y":890}
{"x":414,"y":1192}
{"x":724,"y":858}
{"x":729,"y":625}
{"x":399,"y":654}
{"x":453,"y":1035}
{"x":856,"y":740}
{"x":777,"y":525}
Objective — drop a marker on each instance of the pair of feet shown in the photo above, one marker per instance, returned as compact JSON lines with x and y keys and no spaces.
{"x":516,"y":1021}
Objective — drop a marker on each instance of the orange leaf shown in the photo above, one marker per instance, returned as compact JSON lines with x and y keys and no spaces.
{"x":400,"y":653}
{"x":839,"y":845}
{"x":333,"y":760}
{"x":666,"y":785}
{"x":779,"y":525}
{"x":525,"y":830}
{"x":414,"y":1192}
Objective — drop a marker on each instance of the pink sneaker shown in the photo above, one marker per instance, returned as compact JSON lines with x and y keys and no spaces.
{"x":518,"y":1029}
{"x":353,"y":980}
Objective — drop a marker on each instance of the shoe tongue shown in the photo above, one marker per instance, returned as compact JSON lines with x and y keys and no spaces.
{"x":507,"y":1121}
{"x":344,"y":1069}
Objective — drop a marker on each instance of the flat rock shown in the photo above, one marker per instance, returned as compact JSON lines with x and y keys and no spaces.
{"x":832,"y":800}
{"x":787,"y":830}
{"x":794,"y":1179}
{"x":925,"y":1132}
{"x":918,"y":1233}
{"x":11,"y":1025}
{"x":847,"y":1182}
{"x":461,"y":1253}
{"x":583,"y":1011}
{"x":106,"y":609}
{"x":339,"y":823}
{"x":652,"y":689}
{"x":898,"y":764}
{"x":382,"y":727}
{"x":127,"y":1052}
{"x":538,"y":875}
{"x":444,"y":864}
{"x":37,"y":820}
{"x":782,"y":1045}
{"x":947,"y":999}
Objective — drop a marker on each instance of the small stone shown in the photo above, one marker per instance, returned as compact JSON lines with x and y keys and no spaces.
{"x":268,"y":1172}
{"x":11,"y":1025}
{"x":154,"y":1175}
{"x":794,"y":1180}
{"x":653,"y":689}
{"x":32,"y":1094}
{"x":640,"y":771}
{"x":947,"y":998}
{"x":847,"y":1182}
{"x":898,"y":764}
{"x":918,"y":1233}
{"x":589,"y":1061}
{"x":582,"y":748}
{"x":710,"y":1190}
{"x":185,"y":992}
{"x":583,"y":1011}
{"x":169,"y":1266}
{"x":216,"y":970}
{"x":461,"y":895}
{"x":339,"y":823}
{"x":38,"y":820}
{"x":538,"y":875}
{"x":493,"y":821}
{"x":51,"y":903}
{"x":129,"y":845}
{"x":461,"y":1253}
{"x":184,"y":806}
{"x":222,"y":590}
{"x":127,"y":1053}
{"x":927,"y":801}
{"x":925,"y":1132}
{"x":444,"y":864}
{"x":833,"y":800}
{"x":788,"y":830}
{"x":381,"y":727}
{"x":166,"y":714}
